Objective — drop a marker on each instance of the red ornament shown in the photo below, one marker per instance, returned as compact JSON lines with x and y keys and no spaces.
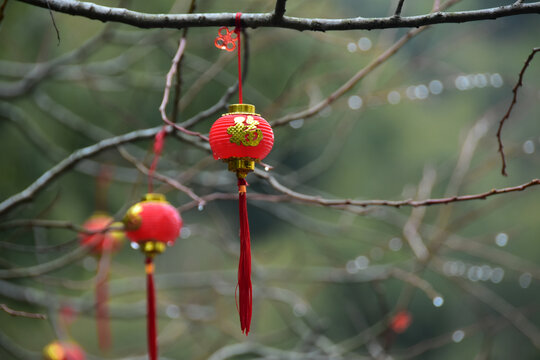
{"x":104,"y":242}
{"x":58,"y":350}
{"x":241,"y":138}
{"x":111,"y":240}
{"x":153,"y":223}
{"x":401,"y":321}
{"x":241,"y":135}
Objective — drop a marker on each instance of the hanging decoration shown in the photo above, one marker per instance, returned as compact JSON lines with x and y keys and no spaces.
{"x":103,"y":243}
{"x":152,"y":224}
{"x":241,"y":138}
{"x":63,"y":350}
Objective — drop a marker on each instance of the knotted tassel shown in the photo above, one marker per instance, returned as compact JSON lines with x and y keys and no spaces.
{"x":151,"y":309}
{"x":244,"y":304}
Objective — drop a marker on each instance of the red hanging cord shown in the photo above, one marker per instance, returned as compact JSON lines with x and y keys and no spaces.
{"x":151,"y":309}
{"x":244,"y":266}
{"x":159,"y":141}
{"x":102,"y":296}
{"x":238,"y":30}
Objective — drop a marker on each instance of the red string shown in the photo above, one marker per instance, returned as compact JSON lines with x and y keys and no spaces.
{"x":151,"y":309}
{"x":244,"y":266}
{"x":102,"y":314}
{"x":159,"y":141}
{"x":102,"y":297}
{"x":238,"y":30}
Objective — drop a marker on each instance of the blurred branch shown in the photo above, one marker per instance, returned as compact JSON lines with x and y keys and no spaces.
{"x":172,"y":182}
{"x":2,"y":9}
{"x":41,"y":71}
{"x":511,"y":107}
{"x":257,"y":20}
{"x":22,"y":313}
{"x":497,"y":303}
{"x":46,"y":178}
{"x":410,"y":229}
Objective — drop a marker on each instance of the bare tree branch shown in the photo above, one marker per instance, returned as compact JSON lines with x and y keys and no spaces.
{"x":22,"y":313}
{"x":393,"y":203}
{"x":176,"y":21}
{"x":511,"y":107}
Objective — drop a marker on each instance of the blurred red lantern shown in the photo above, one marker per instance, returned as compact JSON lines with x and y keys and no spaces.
{"x":153,"y":224}
{"x":241,"y":138}
{"x":102,"y":243}
{"x":111,"y":240}
{"x":58,"y":350}
{"x":401,"y":321}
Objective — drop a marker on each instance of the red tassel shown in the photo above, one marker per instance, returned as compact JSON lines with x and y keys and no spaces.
{"x":102,"y":297}
{"x":244,"y":265}
{"x":151,"y":309}
{"x":102,"y":314}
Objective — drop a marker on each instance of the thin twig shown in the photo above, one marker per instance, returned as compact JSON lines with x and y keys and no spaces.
{"x":178,"y":83}
{"x":399,"y":7}
{"x":257,"y":20}
{"x":167,"y":91}
{"x":22,"y":313}
{"x":511,"y":107}
{"x":54,"y":23}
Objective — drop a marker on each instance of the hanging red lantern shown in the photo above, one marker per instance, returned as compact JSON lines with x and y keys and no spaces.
{"x":241,"y":138}
{"x":100,"y":241}
{"x":61,"y":350}
{"x":401,"y":321}
{"x":152,"y":224}
{"x":103,"y":243}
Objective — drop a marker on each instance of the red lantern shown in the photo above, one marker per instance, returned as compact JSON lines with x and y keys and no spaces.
{"x":401,"y":321}
{"x":241,"y":138}
{"x":102,"y":243}
{"x":241,"y":135}
{"x":152,"y":224}
{"x":110,"y":240}
{"x":63,"y":351}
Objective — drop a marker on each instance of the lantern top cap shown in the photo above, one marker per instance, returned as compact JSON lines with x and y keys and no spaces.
{"x":154,"y":197}
{"x":242,"y":109}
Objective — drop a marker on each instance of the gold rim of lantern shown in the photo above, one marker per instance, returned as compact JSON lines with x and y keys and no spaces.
{"x":241,"y":109}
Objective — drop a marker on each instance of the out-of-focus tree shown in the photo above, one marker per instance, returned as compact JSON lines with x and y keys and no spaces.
{"x":408,"y":101}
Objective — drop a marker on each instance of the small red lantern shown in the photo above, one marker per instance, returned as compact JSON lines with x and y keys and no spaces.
{"x":110,"y":240}
{"x":401,"y":321}
{"x":63,"y":351}
{"x":241,"y":138}
{"x":152,"y":224}
{"x":102,"y":243}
